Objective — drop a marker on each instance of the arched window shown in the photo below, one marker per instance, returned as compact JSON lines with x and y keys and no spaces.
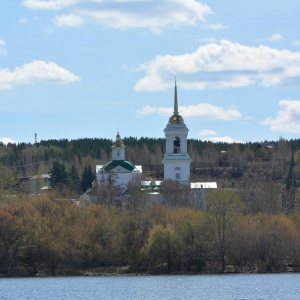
{"x":176,"y":145}
{"x":177,"y":173}
{"x":118,"y":154}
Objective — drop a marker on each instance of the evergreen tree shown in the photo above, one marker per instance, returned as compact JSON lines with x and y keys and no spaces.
{"x":58,"y":175}
{"x":74,"y":179}
{"x":87,"y":178}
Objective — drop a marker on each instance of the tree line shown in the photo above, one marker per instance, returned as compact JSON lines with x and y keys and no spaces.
{"x":225,"y":163}
{"x":45,"y":235}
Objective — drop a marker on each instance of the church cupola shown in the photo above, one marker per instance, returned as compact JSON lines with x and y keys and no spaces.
{"x":118,"y":148}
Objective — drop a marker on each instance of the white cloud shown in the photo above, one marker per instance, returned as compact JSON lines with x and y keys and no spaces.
{"x":2,"y":47}
{"x":207,"y":132}
{"x":296,"y":43}
{"x":49,"y":4}
{"x":34,"y":72}
{"x":203,"y":111}
{"x":207,"y":111}
{"x":70,"y":20}
{"x":6,"y":141}
{"x":38,"y":4}
{"x":214,"y":26}
{"x":149,"y":14}
{"x":222,"y":65}
{"x":126,"y":14}
{"x":275,"y":37}
{"x":287,"y":119}
{"x":224,"y":139}
{"x":207,"y":40}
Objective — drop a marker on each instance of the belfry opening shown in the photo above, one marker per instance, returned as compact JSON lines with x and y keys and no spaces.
{"x":176,"y":145}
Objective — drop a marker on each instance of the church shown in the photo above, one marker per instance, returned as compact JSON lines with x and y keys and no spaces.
{"x":176,"y":159}
{"x":118,"y":171}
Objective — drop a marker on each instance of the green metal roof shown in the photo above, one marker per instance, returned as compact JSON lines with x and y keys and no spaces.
{"x":116,"y":163}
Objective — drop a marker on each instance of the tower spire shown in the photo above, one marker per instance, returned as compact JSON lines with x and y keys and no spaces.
{"x":176,"y":118}
{"x":175,"y":100}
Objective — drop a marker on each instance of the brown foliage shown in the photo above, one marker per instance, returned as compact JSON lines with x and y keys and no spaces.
{"x":40,"y":235}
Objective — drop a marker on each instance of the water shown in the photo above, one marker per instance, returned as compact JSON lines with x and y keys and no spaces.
{"x":240,"y":287}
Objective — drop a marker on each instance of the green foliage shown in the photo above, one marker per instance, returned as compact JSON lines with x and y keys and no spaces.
{"x":163,"y":246}
{"x":8,"y":179}
{"x":290,"y":179}
{"x":74,"y":179}
{"x":87,"y":179}
{"x":58,"y":175}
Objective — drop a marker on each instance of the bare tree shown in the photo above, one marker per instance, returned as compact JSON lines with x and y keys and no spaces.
{"x":175,"y":194}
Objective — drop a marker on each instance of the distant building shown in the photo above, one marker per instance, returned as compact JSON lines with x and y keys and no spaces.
{"x":266,"y":145}
{"x":39,"y":183}
{"x":118,"y":171}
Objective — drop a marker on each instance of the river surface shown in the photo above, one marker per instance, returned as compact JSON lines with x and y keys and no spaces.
{"x":241,"y":287}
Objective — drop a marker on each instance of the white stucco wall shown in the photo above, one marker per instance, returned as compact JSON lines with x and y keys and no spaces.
{"x":176,"y":162}
{"x":119,"y":175}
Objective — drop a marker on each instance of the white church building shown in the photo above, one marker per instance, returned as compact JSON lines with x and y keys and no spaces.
{"x":118,"y":171}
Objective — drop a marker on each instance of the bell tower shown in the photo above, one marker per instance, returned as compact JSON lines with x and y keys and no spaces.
{"x":176,"y":160}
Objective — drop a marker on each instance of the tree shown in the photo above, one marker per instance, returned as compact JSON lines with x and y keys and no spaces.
{"x":260,"y":195}
{"x":175,"y":193}
{"x":194,"y":247}
{"x":221,"y":207}
{"x":104,"y":193}
{"x":163,"y":246}
{"x":74,"y":179}
{"x":136,"y":198}
{"x":274,"y":237}
{"x":8,"y":179}
{"x":87,"y":178}
{"x":241,"y":242}
{"x":58,"y":175}
{"x":289,"y":197}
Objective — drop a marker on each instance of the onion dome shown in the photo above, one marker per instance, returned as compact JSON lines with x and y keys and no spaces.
{"x":118,"y":142}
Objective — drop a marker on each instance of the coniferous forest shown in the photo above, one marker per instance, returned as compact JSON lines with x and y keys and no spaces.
{"x":251,"y":223}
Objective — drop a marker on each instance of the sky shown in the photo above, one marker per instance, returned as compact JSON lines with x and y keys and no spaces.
{"x":73,"y":69}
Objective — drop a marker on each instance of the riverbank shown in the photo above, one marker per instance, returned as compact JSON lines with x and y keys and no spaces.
{"x":158,"y":270}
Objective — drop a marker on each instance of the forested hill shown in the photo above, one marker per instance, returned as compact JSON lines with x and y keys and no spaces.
{"x":230,"y":165}
{"x":27,"y":159}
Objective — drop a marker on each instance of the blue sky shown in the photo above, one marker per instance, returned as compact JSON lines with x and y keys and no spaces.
{"x":89,"y":68}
